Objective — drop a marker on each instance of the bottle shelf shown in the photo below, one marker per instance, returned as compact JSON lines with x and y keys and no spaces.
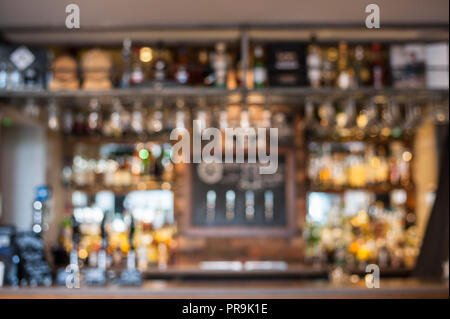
{"x":162,"y":137}
{"x":140,"y":186}
{"x":211,"y":91}
{"x":378,"y":189}
{"x":407,"y":140}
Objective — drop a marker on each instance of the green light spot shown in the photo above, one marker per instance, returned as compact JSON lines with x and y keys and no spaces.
{"x":6,"y":121}
{"x":143,"y":154}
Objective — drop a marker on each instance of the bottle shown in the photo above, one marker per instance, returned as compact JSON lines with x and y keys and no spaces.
{"x":15,"y":80}
{"x":314,"y":64}
{"x":206,"y":74}
{"x":155,"y":121}
{"x":137,"y":118}
{"x":325,"y":166}
{"x":345,"y":74}
{"x":220,"y":65}
{"x":181,"y":70}
{"x":137,"y":73}
{"x":79,"y":127}
{"x":362,"y":71}
{"x":382,"y":169}
{"x":3,"y":76}
{"x":67,"y":122}
{"x":131,"y":257}
{"x":259,"y":68}
{"x":180,"y":114}
{"x":94,"y":117}
{"x":167,"y":164}
{"x":75,"y":243}
{"x":126,"y":61}
{"x":378,"y":67}
{"x":160,"y":64}
{"x":157,"y":154}
{"x":329,"y":67}
{"x":31,"y":78}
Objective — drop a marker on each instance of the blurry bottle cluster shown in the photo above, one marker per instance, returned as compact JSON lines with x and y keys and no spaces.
{"x":376,"y":231}
{"x":120,"y":165}
{"x":359,"y":165}
{"x":315,"y":64}
{"x":153,"y":238}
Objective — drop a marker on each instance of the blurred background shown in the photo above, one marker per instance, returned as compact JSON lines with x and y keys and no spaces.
{"x":90,"y":197}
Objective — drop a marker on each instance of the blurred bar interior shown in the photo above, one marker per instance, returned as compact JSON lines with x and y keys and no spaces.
{"x":87,"y":181}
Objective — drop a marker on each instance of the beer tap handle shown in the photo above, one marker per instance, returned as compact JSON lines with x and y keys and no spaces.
{"x":103,"y":233}
{"x":131,"y":234}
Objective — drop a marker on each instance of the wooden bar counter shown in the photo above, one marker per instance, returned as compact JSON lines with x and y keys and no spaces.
{"x":389,"y":288}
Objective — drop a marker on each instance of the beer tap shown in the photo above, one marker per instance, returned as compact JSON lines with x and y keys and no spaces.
{"x":97,"y":276}
{"x":70,"y":275}
{"x":131,"y":276}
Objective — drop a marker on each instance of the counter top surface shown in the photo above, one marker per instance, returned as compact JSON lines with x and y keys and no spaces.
{"x":389,"y":288}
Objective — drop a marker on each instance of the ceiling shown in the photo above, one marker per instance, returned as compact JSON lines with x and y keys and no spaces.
{"x":126,"y":13}
{"x":28,"y":21}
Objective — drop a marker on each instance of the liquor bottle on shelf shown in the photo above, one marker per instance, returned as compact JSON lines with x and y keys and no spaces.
{"x":137,"y":118}
{"x":157,"y":154}
{"x":94,"y":117}
{"x":367,"y":120}
{"x":15,"y":79}
{"x":67,"y":122}
{"x":394,"y":109}
{"x":4,"y":76}
{"x":53,"y":116}
{"x":329,"y":67}
{"x":113,"y":126}
{"x":389,"y":119}
{"x":205,"y":73}
{"x":327,"y":117}
{"x":345,"y":120}
{"x":381,"y":166}
{"x":79,"y":127}
{"x":259,"y":68}
{"x":372,"y":163}
{"x":378,"y":67}
{"x":160,"y":65}
{"x":311,"y":124}
{"x":155,"y":122}
{"x":345,"y":75}
{"x":359,"y":165}
{"x":362,"y":70}
{"x":166,"y":161}
{"x":220,"y":64}
{"x":126,"y":61}
{"x":31,"y":78}
{"x":314,"y":64}
{"x":137,"y":76}
{"x":180,"y":114}
{"x":181,"y":69}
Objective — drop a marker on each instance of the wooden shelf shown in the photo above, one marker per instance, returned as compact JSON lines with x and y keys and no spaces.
{"x":211,"y":91}
{"x":408,"y":140}
{"x":378,"y":189}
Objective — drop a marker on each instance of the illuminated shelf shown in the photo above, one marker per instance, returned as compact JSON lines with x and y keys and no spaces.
{"x":162,"y":137}
{"x":140,"y":186}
